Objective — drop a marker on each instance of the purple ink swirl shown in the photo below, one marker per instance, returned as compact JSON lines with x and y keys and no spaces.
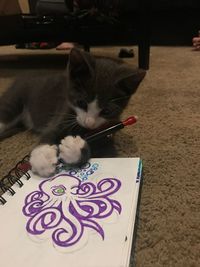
{"x":65,"y":207}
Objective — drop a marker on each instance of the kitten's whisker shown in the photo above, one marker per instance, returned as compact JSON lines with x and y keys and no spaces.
{"x":72,"y":115}
{"x":73,"y":127}
{"x":119,"y":98}
{"x":69,"y":116}
{"x":69,"y":120}
{"x":77,"y":126}
{"x":71,"y":124}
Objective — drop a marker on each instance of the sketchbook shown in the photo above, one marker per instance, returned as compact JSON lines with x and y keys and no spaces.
{"x":82,"y":217}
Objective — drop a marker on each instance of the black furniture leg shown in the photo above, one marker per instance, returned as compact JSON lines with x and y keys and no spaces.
{"x":86,"y":48}
{"x":144,"y":34}
{"x":144,"y":54}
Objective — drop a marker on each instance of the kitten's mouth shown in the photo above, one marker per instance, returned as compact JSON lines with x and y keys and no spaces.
{"x":87,"y":127}
{"x":89,"y":123}
{"x":98,"y":129}
{"x":91,"y":128}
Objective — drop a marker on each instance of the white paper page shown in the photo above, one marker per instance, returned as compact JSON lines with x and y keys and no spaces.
{"x":87,"y":247}
{"x":130,"y":231}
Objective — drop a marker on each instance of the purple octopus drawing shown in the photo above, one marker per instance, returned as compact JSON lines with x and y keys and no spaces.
{"x":65,"y":208}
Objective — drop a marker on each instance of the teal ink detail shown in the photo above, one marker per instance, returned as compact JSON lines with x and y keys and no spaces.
{"x":139,"y":173}
{"x":83,"y":173}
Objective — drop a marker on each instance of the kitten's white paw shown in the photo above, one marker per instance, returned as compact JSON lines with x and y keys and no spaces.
{"x":43,"y":160}
{"x":70,"y":149}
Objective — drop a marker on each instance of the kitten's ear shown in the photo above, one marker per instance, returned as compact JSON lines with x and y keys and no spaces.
{"x":80,"y":63}
{"x":128,"y":79}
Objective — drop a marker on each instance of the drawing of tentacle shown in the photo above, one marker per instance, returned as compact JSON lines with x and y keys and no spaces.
{"x":46,"y":219}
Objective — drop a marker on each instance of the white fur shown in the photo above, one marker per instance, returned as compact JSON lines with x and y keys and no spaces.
{"x":70,"y":149}
{"x":27,"y":120}
{"x":43,"y":160}
{"x":2,"y":127}
{"x":90,"y":119}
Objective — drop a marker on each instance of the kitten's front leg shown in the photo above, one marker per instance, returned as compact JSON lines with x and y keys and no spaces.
{"x":74,"y":150}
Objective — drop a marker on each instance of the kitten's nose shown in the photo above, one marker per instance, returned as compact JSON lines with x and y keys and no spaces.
{"x":90,"y":122}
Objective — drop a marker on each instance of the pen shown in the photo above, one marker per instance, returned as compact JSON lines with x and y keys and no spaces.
{"x":111,"y":129}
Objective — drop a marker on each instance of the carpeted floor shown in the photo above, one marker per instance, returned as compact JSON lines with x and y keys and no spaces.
{"x":167,"y":138}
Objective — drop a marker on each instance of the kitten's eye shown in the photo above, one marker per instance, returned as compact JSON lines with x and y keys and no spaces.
{"x":105,"y":112}
{"x":82,"y":104}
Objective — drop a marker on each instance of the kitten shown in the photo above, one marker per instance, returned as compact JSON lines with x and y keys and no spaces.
{"x":63,"y":107}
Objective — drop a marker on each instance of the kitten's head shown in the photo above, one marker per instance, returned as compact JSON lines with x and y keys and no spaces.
{"x":99,"y":88}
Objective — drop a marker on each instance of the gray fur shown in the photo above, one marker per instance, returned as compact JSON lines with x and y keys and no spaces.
{"x":43,"y":104}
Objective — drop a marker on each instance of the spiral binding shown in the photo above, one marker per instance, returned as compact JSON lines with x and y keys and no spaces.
{"x":13,"y":177}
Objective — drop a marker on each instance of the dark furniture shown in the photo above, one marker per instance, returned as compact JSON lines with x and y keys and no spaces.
{"x":174,"y":22}
{"x":140,"y":22}
{"x":130,"y":27}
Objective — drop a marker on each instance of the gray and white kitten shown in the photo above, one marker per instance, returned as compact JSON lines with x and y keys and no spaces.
{"x":63,"y":107}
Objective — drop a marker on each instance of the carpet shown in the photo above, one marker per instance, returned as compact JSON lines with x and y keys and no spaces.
{"x":166,"y":137}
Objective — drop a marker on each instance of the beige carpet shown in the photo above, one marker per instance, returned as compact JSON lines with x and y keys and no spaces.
{"x":167,"y":138}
